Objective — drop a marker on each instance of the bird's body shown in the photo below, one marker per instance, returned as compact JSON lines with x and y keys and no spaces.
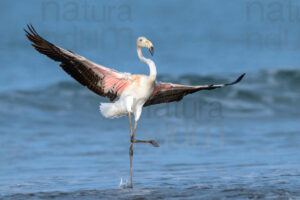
{"x":134,"y":91}
{"x":131,"y":100}
{"x":137,"y":89}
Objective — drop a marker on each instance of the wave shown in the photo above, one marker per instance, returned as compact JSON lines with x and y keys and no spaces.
{"x":261,"y":91}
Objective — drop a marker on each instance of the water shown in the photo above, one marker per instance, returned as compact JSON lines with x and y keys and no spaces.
{"x":231,"y":143}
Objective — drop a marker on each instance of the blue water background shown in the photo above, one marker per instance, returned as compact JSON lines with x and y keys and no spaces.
{"x":238,"y":142}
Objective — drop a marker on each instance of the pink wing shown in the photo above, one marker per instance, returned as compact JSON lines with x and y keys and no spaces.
{"x":101,"y":80}
{"x":168,"y":92}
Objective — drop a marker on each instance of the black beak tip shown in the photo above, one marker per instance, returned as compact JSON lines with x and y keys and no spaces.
{"x":151,"y":49}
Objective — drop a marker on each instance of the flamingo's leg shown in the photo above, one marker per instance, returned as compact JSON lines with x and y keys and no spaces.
{"x":131,"y":147}
{"x":131,"y":155}
{"x":147,"y":141}
{"x":129,"y":115}
{"x":141,"y":141}
{"x":132,"y":141}
{"x":134,"y":129}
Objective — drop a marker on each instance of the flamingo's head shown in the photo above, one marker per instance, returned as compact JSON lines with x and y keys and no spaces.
{"x":143,"y":42}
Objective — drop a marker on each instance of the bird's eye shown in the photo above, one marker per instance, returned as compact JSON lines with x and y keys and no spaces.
{"x":141,"y":40}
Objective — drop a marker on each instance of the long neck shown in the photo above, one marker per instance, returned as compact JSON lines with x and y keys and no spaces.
{"x":149,"y":62}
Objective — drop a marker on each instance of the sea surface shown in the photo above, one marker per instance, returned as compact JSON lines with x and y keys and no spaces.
{"x":238,"y":142}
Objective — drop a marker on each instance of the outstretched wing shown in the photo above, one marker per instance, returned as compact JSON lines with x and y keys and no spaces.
{"x":168,"y":92}
{"x":101,"y":80}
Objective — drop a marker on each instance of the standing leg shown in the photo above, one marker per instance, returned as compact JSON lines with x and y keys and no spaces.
{"x":130,"y":155}
{"x":137,"y":115}
{"x":130,"y":150}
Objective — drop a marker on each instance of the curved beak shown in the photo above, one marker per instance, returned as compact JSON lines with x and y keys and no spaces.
{"x":150,"y":47}
{"x":151,"y":50}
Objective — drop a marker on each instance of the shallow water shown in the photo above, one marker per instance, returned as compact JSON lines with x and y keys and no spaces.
{"x":55,"y":144}
{"x":240,"y":142}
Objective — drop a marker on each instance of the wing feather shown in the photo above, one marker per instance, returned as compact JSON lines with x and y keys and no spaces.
{"x":168,"y":92}
{"x":108,"y":82}
{"x":101,"y":80}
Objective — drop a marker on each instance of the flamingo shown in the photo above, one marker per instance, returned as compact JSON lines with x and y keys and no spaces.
{"x":134,"y":91}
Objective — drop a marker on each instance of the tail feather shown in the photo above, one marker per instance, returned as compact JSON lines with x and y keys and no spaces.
{"x":112,"y":110}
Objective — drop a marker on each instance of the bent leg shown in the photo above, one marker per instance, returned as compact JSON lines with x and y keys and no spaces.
{"x":154,"y":143}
